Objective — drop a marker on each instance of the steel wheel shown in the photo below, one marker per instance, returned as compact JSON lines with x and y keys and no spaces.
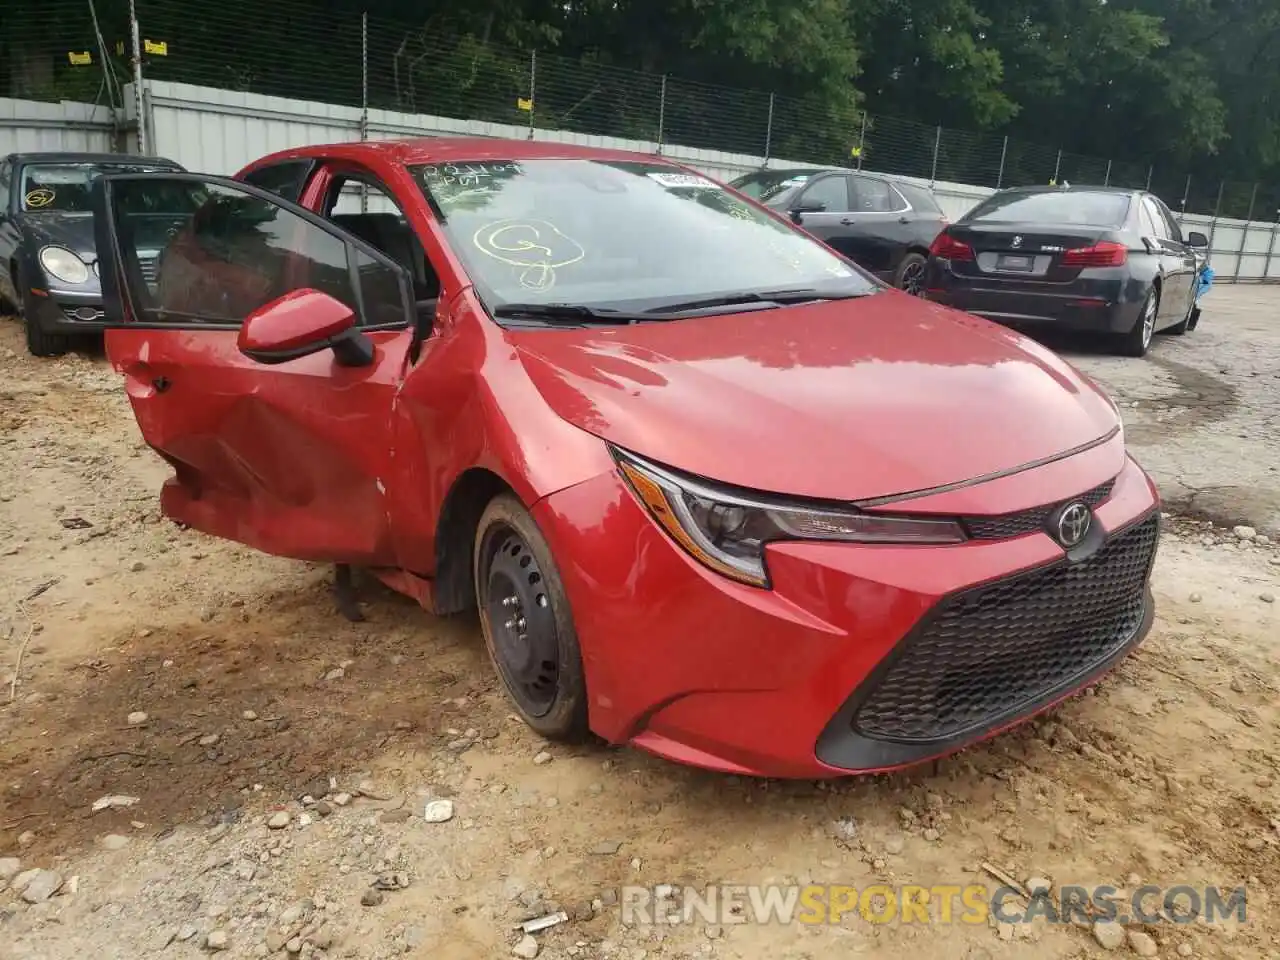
{"x":525,"y":640}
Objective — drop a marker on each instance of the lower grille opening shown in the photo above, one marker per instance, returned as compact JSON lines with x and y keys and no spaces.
{"x":985,"y":655}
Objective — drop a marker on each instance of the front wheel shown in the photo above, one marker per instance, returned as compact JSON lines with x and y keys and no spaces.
{"x":1136,"y":342}
{"x":910,"y":276}
{"x":40,"y":342}
{"x":528,"y":627}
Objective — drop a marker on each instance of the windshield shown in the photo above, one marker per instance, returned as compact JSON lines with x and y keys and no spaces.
{"x":1066,"y":206}
{"x":619,"y":235}
{"x":64,"y":187}
{"x":772,"y":187}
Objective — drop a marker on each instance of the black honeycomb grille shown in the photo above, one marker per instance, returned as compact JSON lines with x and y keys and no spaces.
{"x":986,"y":654}
{"x":1028,"y":521}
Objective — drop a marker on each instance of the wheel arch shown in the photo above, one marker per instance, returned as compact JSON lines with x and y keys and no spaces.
{"x":464,"y":505}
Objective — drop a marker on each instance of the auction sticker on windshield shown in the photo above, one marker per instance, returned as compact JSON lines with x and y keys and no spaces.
{"x":671,"y":180}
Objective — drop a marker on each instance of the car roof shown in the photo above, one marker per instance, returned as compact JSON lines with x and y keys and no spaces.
{"x":65,"y":156}
{"x":461,"y":150}
{"x":1074,"y":188}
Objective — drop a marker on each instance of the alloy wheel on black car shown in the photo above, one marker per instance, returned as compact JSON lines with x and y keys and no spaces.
{"x":1137,"y":340}
{"x":911,"y":275}
{"x":527,"y":626}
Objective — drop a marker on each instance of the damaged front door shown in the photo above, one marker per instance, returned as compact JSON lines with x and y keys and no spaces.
{"x":261,"y":348}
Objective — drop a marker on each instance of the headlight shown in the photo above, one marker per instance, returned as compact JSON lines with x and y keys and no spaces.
{"x":728,"y":531}
{"x":62,"y":264}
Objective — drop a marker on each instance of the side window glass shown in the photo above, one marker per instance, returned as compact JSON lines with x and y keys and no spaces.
{"x":283,"y":179}
{"x":1171,"y":222}
{"x":366,"y":208}
{"x":1158,"y":225}
{"x":221,"y":254}
{"x":6,"y":180}
{"x":873,"y":196}
{"x":832,"y":192}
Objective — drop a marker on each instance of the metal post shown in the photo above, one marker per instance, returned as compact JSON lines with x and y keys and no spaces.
{"x":1244,"y":234}
{"x":1004,"y":150}
{"x":1213,"y":223}
{"x":138,"y":103}
{"x":862,"y":139}
{"x":662,"y":112}
{"x":364,"y":99}
{"x":1182,"y":207}
{"x":1057,"y":167}
{"x":937,"y":142}
{"x":1150,"y":171}
{"x":1106,"y":178}
{"x":768,"y":133}
{"x":1271,"y":248}
{"x":533,"y":84}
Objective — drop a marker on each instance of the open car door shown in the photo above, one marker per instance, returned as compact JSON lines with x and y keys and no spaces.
{"x":261,"y":348}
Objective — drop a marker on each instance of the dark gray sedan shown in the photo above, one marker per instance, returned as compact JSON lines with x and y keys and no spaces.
{"x":1092,"y":259}
{"x":48,"y":262}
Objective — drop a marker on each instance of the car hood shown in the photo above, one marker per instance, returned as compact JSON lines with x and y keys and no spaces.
{"x":73,"y":231}
{"x":844,"y":400}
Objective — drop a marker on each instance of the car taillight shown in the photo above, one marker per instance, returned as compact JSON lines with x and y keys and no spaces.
{"x":1104,"y":254}
{"x":948,"y":247}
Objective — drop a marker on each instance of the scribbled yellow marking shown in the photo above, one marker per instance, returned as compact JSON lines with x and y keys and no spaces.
{"x":535,"y":245}
{"x":39,"y":197}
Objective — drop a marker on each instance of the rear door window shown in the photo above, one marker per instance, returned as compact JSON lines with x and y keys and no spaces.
{"x":875,"y":196}
{"x":1158,"y":225}
{"x":1056,"y":207}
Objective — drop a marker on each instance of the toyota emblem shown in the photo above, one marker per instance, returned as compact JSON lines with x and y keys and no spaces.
{"x":1073,"y":524}
{"x":1017,"y":242}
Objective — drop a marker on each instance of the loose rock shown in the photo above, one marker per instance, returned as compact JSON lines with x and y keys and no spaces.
{"x":541,"y":758}
{"x":1109,"y":934}
{"x":217,"y":940}
{"x":9,"y":868}
{"x":1142,"y":944}
{"x":1184,"y":950}
{"x":438,"y":811}
{"x":1245,"y":533}
{"x":526,"y":948}
{"x":137,"y":718}
{"x":1267,"y":597}
{"x":43,"y":885}
{"x":606,"y":848}
{"x":372,"y":897}
{"x":279,"y":820}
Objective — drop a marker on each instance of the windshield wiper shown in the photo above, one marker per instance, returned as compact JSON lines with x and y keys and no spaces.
{"x":572,"y":314}
{"x":781,"y":297}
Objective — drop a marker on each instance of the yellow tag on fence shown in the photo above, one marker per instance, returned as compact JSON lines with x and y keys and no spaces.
{"x":80,"y":59}
{"x":158,"y":47}
{"x":524,"y":104}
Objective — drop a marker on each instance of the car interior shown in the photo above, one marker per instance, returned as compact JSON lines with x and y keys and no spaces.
{"x":384,"y":227}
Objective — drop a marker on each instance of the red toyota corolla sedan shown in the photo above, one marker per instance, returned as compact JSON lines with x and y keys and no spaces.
{"x":714,"y":491}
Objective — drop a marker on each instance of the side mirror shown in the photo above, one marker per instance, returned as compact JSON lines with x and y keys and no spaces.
{"x":807,"y":206}
{"x":1197,"y":240}
{"x":302,"y":323}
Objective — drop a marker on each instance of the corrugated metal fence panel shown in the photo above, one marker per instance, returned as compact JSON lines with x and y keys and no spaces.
{"x":30,"y":125}
{"x":219,"y":131}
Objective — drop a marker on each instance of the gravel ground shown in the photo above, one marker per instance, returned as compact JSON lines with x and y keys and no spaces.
{"x":304,"y":786}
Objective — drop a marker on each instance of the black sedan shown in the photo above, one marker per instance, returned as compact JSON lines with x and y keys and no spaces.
{"x":48,"y":263}
{"x":883,"y":224}
{"x":1093,"y":259}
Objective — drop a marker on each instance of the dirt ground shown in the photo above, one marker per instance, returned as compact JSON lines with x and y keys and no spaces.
{"x":257,"y":694}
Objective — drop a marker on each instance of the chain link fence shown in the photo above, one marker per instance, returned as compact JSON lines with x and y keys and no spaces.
{"x":83,"y":50}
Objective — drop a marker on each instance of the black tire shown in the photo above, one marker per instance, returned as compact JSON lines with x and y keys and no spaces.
{"x":910,"y":275}
{"x":527,"y":624}
{"x":1136,"y":342}
{"x":40,"y":342}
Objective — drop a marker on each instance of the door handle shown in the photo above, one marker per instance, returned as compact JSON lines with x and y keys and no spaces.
{"x":904,"y":220}
{"x":161,"y":384}
{"x":846,"y":222}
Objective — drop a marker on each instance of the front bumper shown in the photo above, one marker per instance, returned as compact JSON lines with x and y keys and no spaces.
{"x":69,"y":311}
{"x":688,"y":665}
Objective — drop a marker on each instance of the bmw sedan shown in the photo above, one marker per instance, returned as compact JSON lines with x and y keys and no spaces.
{"x":714,"y":492}
{"x":1093,"y":259}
